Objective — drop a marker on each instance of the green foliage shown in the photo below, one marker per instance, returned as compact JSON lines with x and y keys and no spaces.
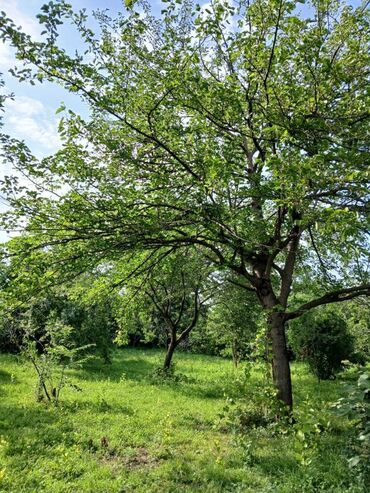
{"x":239,"y":128}
{"x":357,"y":316}
{"x":95,"y":327}
{"x":165,"y":304}
{"x":11,"y":333}
{"x":250,"y":142}
{"x":58,"y":354}
{"x":322,"y":340}
{"x":94,"y":322}
{"x":356,"y":406}
{"x":167,"y":375}
{"x":231,"y":324}
{"x":248,"y":407}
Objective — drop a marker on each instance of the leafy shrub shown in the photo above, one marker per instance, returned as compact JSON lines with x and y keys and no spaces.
{"x":249,"y":407}
{"x":322,"y":340}
{"x":11,"y":333}
{"x":93,"y":326}
{"x":59,"y":353}
{"x":356,"y":406}
{"x":358,"y":320}
{"x":161,"y":374}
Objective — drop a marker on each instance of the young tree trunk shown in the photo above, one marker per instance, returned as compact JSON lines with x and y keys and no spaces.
{"x":170,"y":350}
{"x":234,"y":351}
{"x":280,"y":360}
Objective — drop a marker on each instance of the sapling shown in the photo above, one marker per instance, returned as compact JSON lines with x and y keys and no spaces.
{"x":58,"y":354}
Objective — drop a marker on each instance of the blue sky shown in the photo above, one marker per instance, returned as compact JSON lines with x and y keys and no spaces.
{"x":31,"y":116}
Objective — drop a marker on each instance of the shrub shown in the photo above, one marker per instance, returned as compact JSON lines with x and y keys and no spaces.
{"x":322,"y":340}
{"x":356,"y":406}
{"x":59,"y":353}
{"x":11,"y":332}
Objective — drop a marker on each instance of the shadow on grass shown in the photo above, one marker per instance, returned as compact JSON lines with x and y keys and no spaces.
{"x":130,"y":367}
{"x":101,"y":406}
{"x":140,"y":366}
{"x":5,"y":377}
{"x":196,"y":423}
{"x":276,"y":465}
{"x":200,"y":390}
{"x":29,"y":431}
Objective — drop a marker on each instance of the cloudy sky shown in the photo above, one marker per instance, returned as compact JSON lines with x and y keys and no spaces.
{"x":31,"y":115}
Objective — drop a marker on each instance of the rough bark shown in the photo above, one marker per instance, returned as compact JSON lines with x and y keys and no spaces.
{"x":170,"y":350}
{"x":280,"y":360}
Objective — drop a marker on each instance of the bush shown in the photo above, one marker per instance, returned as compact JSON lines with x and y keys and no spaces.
{"x":11,"y":332}
{"x":251,"y":405}
{"x":93,"y":326}
{"x":59,"y":353}
{"x":356,"y":406}
{"x":322,"y":340}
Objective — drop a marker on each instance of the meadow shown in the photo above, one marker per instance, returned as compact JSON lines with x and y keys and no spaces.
{"x":125,"y":430}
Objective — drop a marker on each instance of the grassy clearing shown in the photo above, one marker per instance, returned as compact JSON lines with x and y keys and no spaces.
{"x":128,"y":433}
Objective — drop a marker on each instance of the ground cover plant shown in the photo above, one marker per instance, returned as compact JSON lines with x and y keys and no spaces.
{"x":130,"y":431}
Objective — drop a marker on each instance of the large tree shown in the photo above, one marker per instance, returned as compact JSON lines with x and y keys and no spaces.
{"x":240,"y":127}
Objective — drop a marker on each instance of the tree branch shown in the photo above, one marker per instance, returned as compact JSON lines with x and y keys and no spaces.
{"x":332,"y":297}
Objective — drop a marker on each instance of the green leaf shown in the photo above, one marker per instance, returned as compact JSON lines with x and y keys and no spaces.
{"x":354,"y":461}
{"x":61,"y":108}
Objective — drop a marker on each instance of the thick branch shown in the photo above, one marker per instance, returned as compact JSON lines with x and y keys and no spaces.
{"x":332,"y":297}
{"x":287,"y":273}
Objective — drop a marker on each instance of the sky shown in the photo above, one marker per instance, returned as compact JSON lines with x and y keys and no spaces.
{"x":31,"y":116}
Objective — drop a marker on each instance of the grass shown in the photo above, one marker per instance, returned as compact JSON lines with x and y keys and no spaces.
{"x":126,"y":432}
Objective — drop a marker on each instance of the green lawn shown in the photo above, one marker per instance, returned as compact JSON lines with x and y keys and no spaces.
{"x":126,"y":432}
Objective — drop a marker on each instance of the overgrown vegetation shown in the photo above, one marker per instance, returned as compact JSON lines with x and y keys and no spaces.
{"x":356,"y":405}
{"x":248,"y":143}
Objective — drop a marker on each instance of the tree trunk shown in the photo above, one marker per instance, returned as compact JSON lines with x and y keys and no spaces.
{"x":170,"y":350}
{"x":280,"y":359}
{"x":234,"y":351}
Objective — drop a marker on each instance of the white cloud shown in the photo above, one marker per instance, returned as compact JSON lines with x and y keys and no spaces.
{"x":29,"y":24}
{"x":25,"y":106}
{"x":6,"y":56}
{"x":27,"y":118}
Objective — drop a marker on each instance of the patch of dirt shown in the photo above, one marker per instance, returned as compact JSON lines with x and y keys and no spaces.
{"x":131,"y":458}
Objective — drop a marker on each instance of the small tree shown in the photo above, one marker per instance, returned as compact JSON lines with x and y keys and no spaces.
{"x":322,"y":340}
{"x":59,"y":353}
{"x":174,"y":294}
{"x":232,"y":321}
